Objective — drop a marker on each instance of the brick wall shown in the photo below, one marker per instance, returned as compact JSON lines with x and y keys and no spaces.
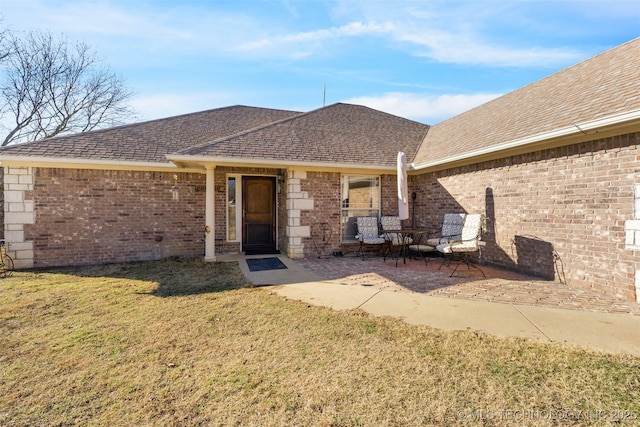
{"x":325,"y":189}
{"x":94,"y":216}
{"x":389,"y":190}
{"x":552,"y":211}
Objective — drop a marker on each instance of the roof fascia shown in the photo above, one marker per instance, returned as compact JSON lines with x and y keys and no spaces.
{"x":65,"y":163}
{"x":580,"y":132}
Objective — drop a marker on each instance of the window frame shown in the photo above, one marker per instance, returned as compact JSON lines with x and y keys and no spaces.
{"x":350,"y":210}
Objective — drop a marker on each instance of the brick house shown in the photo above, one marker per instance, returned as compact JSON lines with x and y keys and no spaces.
{"x":553,"y":166}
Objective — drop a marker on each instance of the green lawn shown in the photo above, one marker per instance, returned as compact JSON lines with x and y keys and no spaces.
{"x":180,"y":342}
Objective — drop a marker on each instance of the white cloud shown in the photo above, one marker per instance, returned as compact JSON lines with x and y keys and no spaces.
{"x":459,"y":32}
{"x":139,"y":30}
{"x":420,"y":36}
{"x":462,"y":49}
{"x":429,"y":109}
{"x":300,"y":44}
{"x":443,"y":32}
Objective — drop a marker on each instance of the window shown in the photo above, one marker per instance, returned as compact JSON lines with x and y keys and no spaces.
{"x":232,"y":208}
{"x":360,"y":197}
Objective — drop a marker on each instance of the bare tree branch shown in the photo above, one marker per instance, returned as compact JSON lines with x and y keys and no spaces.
{"x":51,"y":88}
{"x":5,"y":50}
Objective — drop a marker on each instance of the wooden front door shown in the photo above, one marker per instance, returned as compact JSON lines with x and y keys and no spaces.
{"x":258,"y":213}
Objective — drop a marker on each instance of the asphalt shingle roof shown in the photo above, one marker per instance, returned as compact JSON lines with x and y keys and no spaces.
{"x":598,"y":87}
{"x":339,"y":133}
{"x":151,"y":141}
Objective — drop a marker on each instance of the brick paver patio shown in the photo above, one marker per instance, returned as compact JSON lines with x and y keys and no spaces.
{"x":499,"y":286}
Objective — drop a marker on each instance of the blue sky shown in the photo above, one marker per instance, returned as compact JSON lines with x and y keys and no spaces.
{"x":423,"y":60}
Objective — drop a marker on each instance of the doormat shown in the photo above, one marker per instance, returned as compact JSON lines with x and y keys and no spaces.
{"x":264,"y":264}
{"x":262,"y":252}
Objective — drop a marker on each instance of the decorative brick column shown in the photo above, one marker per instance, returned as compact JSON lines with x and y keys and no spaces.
{"x":18,"y":211}
{"x":632,"y":234}
{"x":297,"y":201}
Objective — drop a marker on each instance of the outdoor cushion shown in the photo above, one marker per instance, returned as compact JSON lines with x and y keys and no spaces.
{"x":422,"y":248}
{"x":451,"y":229}
{"x":368,"y":230}
{"x":470,"y":232}
{"x":393,"y":223}
{"x":468,"y":243}
{"x":469,"y":237}
{"x":449,"y":248}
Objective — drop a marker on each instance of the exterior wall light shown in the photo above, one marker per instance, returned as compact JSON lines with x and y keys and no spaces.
{"x":280,"y":181}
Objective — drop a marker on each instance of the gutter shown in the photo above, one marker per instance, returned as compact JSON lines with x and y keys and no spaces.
{"x":591,"y":127}
{"x":73,"y":163}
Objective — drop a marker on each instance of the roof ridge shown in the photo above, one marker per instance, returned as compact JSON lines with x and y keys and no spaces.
{"x":295,"y":117}
{"x":143,"y":123}
{"x":256,"y":128}
{"x":242,"y":132}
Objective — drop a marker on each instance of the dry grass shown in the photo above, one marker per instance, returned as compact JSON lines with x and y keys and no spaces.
{"x":187,"y":343}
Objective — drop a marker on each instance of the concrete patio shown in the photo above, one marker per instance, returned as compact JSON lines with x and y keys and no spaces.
{"x":503,"y":304}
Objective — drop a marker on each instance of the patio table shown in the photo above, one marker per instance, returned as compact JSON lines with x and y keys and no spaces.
{"x":404,"y":234}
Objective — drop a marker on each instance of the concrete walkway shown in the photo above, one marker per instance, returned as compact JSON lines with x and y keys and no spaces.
{"x":608,"y":332}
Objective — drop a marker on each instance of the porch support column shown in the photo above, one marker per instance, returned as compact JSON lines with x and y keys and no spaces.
{"x":210,"y":217}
